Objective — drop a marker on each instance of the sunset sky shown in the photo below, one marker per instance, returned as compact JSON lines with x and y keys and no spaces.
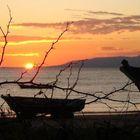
{"x":101,"y":28}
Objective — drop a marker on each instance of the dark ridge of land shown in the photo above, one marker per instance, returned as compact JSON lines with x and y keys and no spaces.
{"x":112,"y":61}
{"x":109,"y":62}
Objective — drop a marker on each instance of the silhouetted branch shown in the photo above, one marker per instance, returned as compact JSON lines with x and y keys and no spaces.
{"x":76,"y":81}
{"x":68,"y":80}
{"x":51,"y":48}
{"x":5,"y":35}
{"x":22,"y":74}
{"x":110,"y":107}
{"x":60,"y":72}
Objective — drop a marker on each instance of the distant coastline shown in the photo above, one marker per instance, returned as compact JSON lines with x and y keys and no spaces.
{"x":108,"y":62}
{"x":100,"y":62}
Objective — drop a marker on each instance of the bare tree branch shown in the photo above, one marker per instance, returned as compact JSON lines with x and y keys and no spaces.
{"x":22,"y":74}
{"x":51,"y":48}
{"x":5,"y":35}
{"x":76,"y":81}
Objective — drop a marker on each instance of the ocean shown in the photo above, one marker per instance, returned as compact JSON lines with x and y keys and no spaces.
{"x":91,"y":80}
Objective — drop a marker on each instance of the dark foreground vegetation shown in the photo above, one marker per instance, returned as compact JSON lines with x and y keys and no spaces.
{"x":91,"y":127}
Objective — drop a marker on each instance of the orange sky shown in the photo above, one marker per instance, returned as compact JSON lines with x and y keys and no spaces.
{"x":100,"y":29}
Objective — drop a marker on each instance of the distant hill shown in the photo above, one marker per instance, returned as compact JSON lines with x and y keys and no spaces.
{"x":111,"y":61}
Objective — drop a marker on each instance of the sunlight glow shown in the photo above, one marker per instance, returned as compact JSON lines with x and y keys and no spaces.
{"x":32,"y":42}
{"x":29,"y":66}
{"x":23,"y":54}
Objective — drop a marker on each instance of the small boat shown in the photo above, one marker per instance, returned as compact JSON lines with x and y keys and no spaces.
{"x":35,"y":86}
{"x":30,"y":107}
{"x":131,"y":72}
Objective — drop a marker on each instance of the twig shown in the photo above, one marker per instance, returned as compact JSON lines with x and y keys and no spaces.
{"x":22,"y":74}
{"x":48,"y":52}
{"x":77,"y":79}
{"x":5,"y":35}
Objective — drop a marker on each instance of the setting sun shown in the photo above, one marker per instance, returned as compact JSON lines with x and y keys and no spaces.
{"x":29,"y":66}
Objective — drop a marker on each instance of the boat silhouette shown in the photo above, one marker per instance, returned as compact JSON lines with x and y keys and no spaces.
{"x":131,"y":72}
{"x":30,"y":107}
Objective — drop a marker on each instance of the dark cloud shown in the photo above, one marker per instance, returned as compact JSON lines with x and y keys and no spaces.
{"x":94,"y":25}
{"x":105,"y":26}
{"x":96,"y":12}
{"x":105,"y":13}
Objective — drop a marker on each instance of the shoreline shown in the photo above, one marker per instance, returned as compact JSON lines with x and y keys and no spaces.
{"x":88,"y":115}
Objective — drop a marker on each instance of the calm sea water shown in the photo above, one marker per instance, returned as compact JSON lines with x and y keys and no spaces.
{"x":91,"y":80}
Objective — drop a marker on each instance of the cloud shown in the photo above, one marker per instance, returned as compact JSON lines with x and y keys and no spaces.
{"x":109,"y":48}
{"x":105,"y":26}
{"x":19,"y":38}
{"x":22,"y":40}
{"x":29,"y":42}
{"x":22,"y":54}
{"x":40,"y":25}
{"x":96,"y":12}
{"x":94,"y":25}
{"x":105,"y":13}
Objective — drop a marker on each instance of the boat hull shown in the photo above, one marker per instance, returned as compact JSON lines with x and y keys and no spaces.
{"x":30,"y":106}
{"x":133,"y":73}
